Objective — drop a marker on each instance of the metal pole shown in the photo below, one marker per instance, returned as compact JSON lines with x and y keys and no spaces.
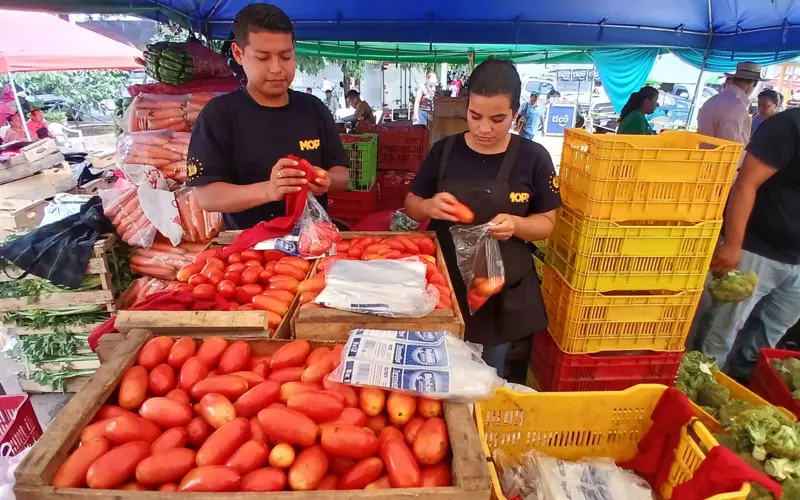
{"x":588,"y":120}
{"x":698,"y":87}
{"x":19,"y":106}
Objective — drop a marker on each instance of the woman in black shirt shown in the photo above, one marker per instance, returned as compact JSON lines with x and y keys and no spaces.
{"x":504,"y":180}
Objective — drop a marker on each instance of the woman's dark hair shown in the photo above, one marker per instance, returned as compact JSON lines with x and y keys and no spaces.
{"x":771,"y":95}
{"x":636,"y":100}
{"x":496,"y":77}
{"x":352,"y":93}
{"x":258,"y":17}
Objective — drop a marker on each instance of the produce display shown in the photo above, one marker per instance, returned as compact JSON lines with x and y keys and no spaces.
{"x":162,"y":260}
{"x":789,"y":371}
{"x":164,"y":150}
{"x":214,"y":418}
{"x":126,"y":214}
{"x":178,"y":63}
{"x":166,"y":112}
{"x":762,"y":436}
{"x":251,"y":280}
{"x":198,"y":225}
{"x":375,"y":248}
{"x":734,"y":286}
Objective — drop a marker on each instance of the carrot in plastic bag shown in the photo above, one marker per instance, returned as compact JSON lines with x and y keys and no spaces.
{"x":150,"y":139}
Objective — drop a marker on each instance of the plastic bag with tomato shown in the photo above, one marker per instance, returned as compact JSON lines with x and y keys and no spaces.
{"x":317,"y":232}
{"x":480,"y":263}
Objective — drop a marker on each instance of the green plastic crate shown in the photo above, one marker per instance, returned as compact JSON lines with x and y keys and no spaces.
{"x":362,"y":160}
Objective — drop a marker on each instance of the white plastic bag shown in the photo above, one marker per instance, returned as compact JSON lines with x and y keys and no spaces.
{"x":430,"y":364}
{"x":479,"y":262}
{"x":160,"y":208}
{"x":390,"y":288}
{"x":318,"y":234}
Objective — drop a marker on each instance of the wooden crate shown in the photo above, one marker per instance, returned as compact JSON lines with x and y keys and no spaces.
{"x":98,"y":264}
{"x":333,"y":324}
{"x":34,"y":152}
{"x":21,"y":215}
{"x":103,"y":160}
{"x":74,"y":384}
{"x":23,"y":170}
{"x":470,"y":471}
{"x":45,"y":184}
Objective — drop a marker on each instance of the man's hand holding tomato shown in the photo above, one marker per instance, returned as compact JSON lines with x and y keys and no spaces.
{"x":321,"y":181}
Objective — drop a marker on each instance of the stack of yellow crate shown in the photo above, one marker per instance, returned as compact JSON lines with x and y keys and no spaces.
{"x":626,"y":263}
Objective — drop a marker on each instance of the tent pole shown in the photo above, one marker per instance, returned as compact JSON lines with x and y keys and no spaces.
{"x":20,"y":111}
{"x":698,"y":87}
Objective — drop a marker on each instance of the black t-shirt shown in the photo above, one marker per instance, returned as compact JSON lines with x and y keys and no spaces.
{"x":532,"y":174}
{"x":773,"y":230}
{"x":236,"y":140}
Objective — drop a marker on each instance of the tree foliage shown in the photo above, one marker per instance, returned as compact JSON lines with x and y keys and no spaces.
{"x":81,"y":87}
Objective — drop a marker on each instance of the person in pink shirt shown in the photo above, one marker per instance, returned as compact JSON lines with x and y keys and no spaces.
{"x":37,"y":124}
{"x":17,"y":130}
{"x":725,"y":115}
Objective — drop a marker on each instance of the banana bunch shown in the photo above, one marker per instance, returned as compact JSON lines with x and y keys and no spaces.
{"x":169,"y":63}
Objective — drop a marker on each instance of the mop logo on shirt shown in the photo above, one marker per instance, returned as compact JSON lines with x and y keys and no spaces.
{"x":519,"y":197}
{"x":309,"y":145}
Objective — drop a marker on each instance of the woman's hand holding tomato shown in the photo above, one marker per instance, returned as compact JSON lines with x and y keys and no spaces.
{"x":321,"y":181}
{"x":441,"y":207}
{"x":502,"y":227}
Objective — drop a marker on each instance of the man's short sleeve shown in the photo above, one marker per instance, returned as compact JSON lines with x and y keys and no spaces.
{"x":546,"y":194}
{"x":333,"y":153}
{"x":775,"y":141}
{"x":427,"y":179}
{"x":210,"y":154}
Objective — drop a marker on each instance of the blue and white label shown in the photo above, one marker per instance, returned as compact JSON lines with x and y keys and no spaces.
{"x":559,"y":118}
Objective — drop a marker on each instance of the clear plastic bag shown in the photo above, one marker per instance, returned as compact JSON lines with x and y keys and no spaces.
{"x":318,"y":234}
{"x":162,"y":149}
{"x":389,"y":288}
{"x":430,"y":364}
{"x":178,"y":113}
{"x":480,"y":263}
{"x":124,"y":210}
{"x":734,"y":286}
{"x":139,"y":289}
{"x":198,"y":225}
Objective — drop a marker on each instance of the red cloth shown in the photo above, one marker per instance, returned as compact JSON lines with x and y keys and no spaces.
{"x":162,"y":301}
{"x":280,"y":226}
{"x":722,"y":472}
{"x":657,"y":447}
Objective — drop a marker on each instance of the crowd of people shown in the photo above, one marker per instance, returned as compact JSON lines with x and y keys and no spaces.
{"x":14,"y":128}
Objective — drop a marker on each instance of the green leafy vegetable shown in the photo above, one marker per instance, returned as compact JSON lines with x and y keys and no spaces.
{"x":785,"y":443}
{"x":39,"y":348}
{"x":734,"y":286}
{"x":54,"y":318}
{"x":58,"y":380}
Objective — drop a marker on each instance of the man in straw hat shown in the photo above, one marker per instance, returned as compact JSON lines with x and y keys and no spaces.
{"x":725,"y":115}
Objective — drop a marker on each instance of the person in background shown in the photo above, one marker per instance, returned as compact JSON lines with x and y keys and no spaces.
{"x":37,"y":126}
{"x":238,"y":155}
{"x":363,"y":114}
{"x":453,"y":87}
{"x":423,"y":102}
{"x":633,"y":118}
{"x":309,"y":90}
{"x":761,"y":234}
{"x":530,"y":119}
{"x":724,"y":115}
{"x":769,"y":103}
{"x":331,"y":102}
{"x":505,"y":180}
{"x":16,"y":131}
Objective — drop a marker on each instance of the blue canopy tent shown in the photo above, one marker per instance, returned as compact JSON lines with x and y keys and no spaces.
{"x":701,"y":32}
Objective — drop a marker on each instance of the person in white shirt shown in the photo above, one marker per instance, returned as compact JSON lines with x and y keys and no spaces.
{"x":725,"y":115}
{"x":331,"y":102}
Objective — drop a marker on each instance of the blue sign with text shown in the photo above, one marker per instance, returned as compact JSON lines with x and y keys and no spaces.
{"x":559,"y":117}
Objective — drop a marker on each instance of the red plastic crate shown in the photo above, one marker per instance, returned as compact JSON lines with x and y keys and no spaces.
{"x":768,"y":384}
{"x":400,"y":148}
{"x":557,"y":371}
{"x":351,"y":206}
{"x":18,"y":423}
{"x":393,"y":188}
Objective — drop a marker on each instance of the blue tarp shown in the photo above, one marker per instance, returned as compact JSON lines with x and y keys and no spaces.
{"x":737,"y":25}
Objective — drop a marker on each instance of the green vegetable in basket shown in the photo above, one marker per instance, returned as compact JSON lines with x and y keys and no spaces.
{"x":785,"y":443}
{"x":730,"y":411}
{"x":753,"y":427}
{"x":789,"y":371}
{"x":781,"y":468}
{"x":734,"y":286}
{"x":791,"y":489}
{"x":713,"y":395}
{"x":696,"y":370}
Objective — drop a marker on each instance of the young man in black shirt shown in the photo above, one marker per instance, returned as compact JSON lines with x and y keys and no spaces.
{"x":762,"y":234}
{"x":237,"y":156}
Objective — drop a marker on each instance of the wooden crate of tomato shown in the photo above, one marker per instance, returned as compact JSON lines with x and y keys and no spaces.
{"x":311,"y":321}
{"x":165,"y":416}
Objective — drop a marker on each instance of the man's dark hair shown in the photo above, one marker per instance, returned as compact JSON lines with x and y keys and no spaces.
{"x":771,"y":95}
{"x":42,"y":133}
{"x":496,"y":77}
{"x":353,"y":93}
{"x":329,"y":91}
{"x":258,"y":17}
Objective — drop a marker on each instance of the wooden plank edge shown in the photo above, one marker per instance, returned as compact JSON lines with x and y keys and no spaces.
{"x":470,"y":469}
{"x":74,"y":384}
{"x":39,"y":465}
{"x":94,"y":297}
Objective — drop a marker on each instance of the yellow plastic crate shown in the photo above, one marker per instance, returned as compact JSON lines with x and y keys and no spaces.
{"x":601,"y":255}
{"x":738,"y":391}
{"x":573,"y":425}
{"x":588,"y":322}
{"x":670,"y":176}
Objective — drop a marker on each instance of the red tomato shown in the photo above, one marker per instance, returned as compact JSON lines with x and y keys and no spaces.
{"x":269,"y":304}
{"x":251,"y":274}
{"x":245,"y":307}
{"x":234,"y":258}
{"x":245,"y":293}
{"x":184,"y":288}
{"x":289,"y":426}
{"x":252,"y":255}
{"x":238,"y":266}
{"x":284,"y":283}
{"x":273,"y":255}
{"x":349,"y":441}
{"x":203,"y":256}
{"x":401,"y":467}
{"x":318,"y":406}
{"x":253,"y":263}
{"x":287,"y":269}
{"x":235,"y":276}
{"x":226,"y":288}
{"x":265,"y":276}
{"x":308,"y":469}
{"x":215,"y":276}
{"x":462,"y":212}
{"x":205,"y":291}
{"x":214,"y":263}
{"x":198,"y":279}
{"x":188,"y":271}
{"x":284,"y":296}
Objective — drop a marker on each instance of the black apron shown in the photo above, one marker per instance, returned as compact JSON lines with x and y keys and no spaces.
{"x":517,"y":311}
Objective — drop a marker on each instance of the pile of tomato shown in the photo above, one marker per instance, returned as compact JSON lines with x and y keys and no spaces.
{"x":251,"y":280}
{"x":214,"y":418}
{"x":376,"y":248}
